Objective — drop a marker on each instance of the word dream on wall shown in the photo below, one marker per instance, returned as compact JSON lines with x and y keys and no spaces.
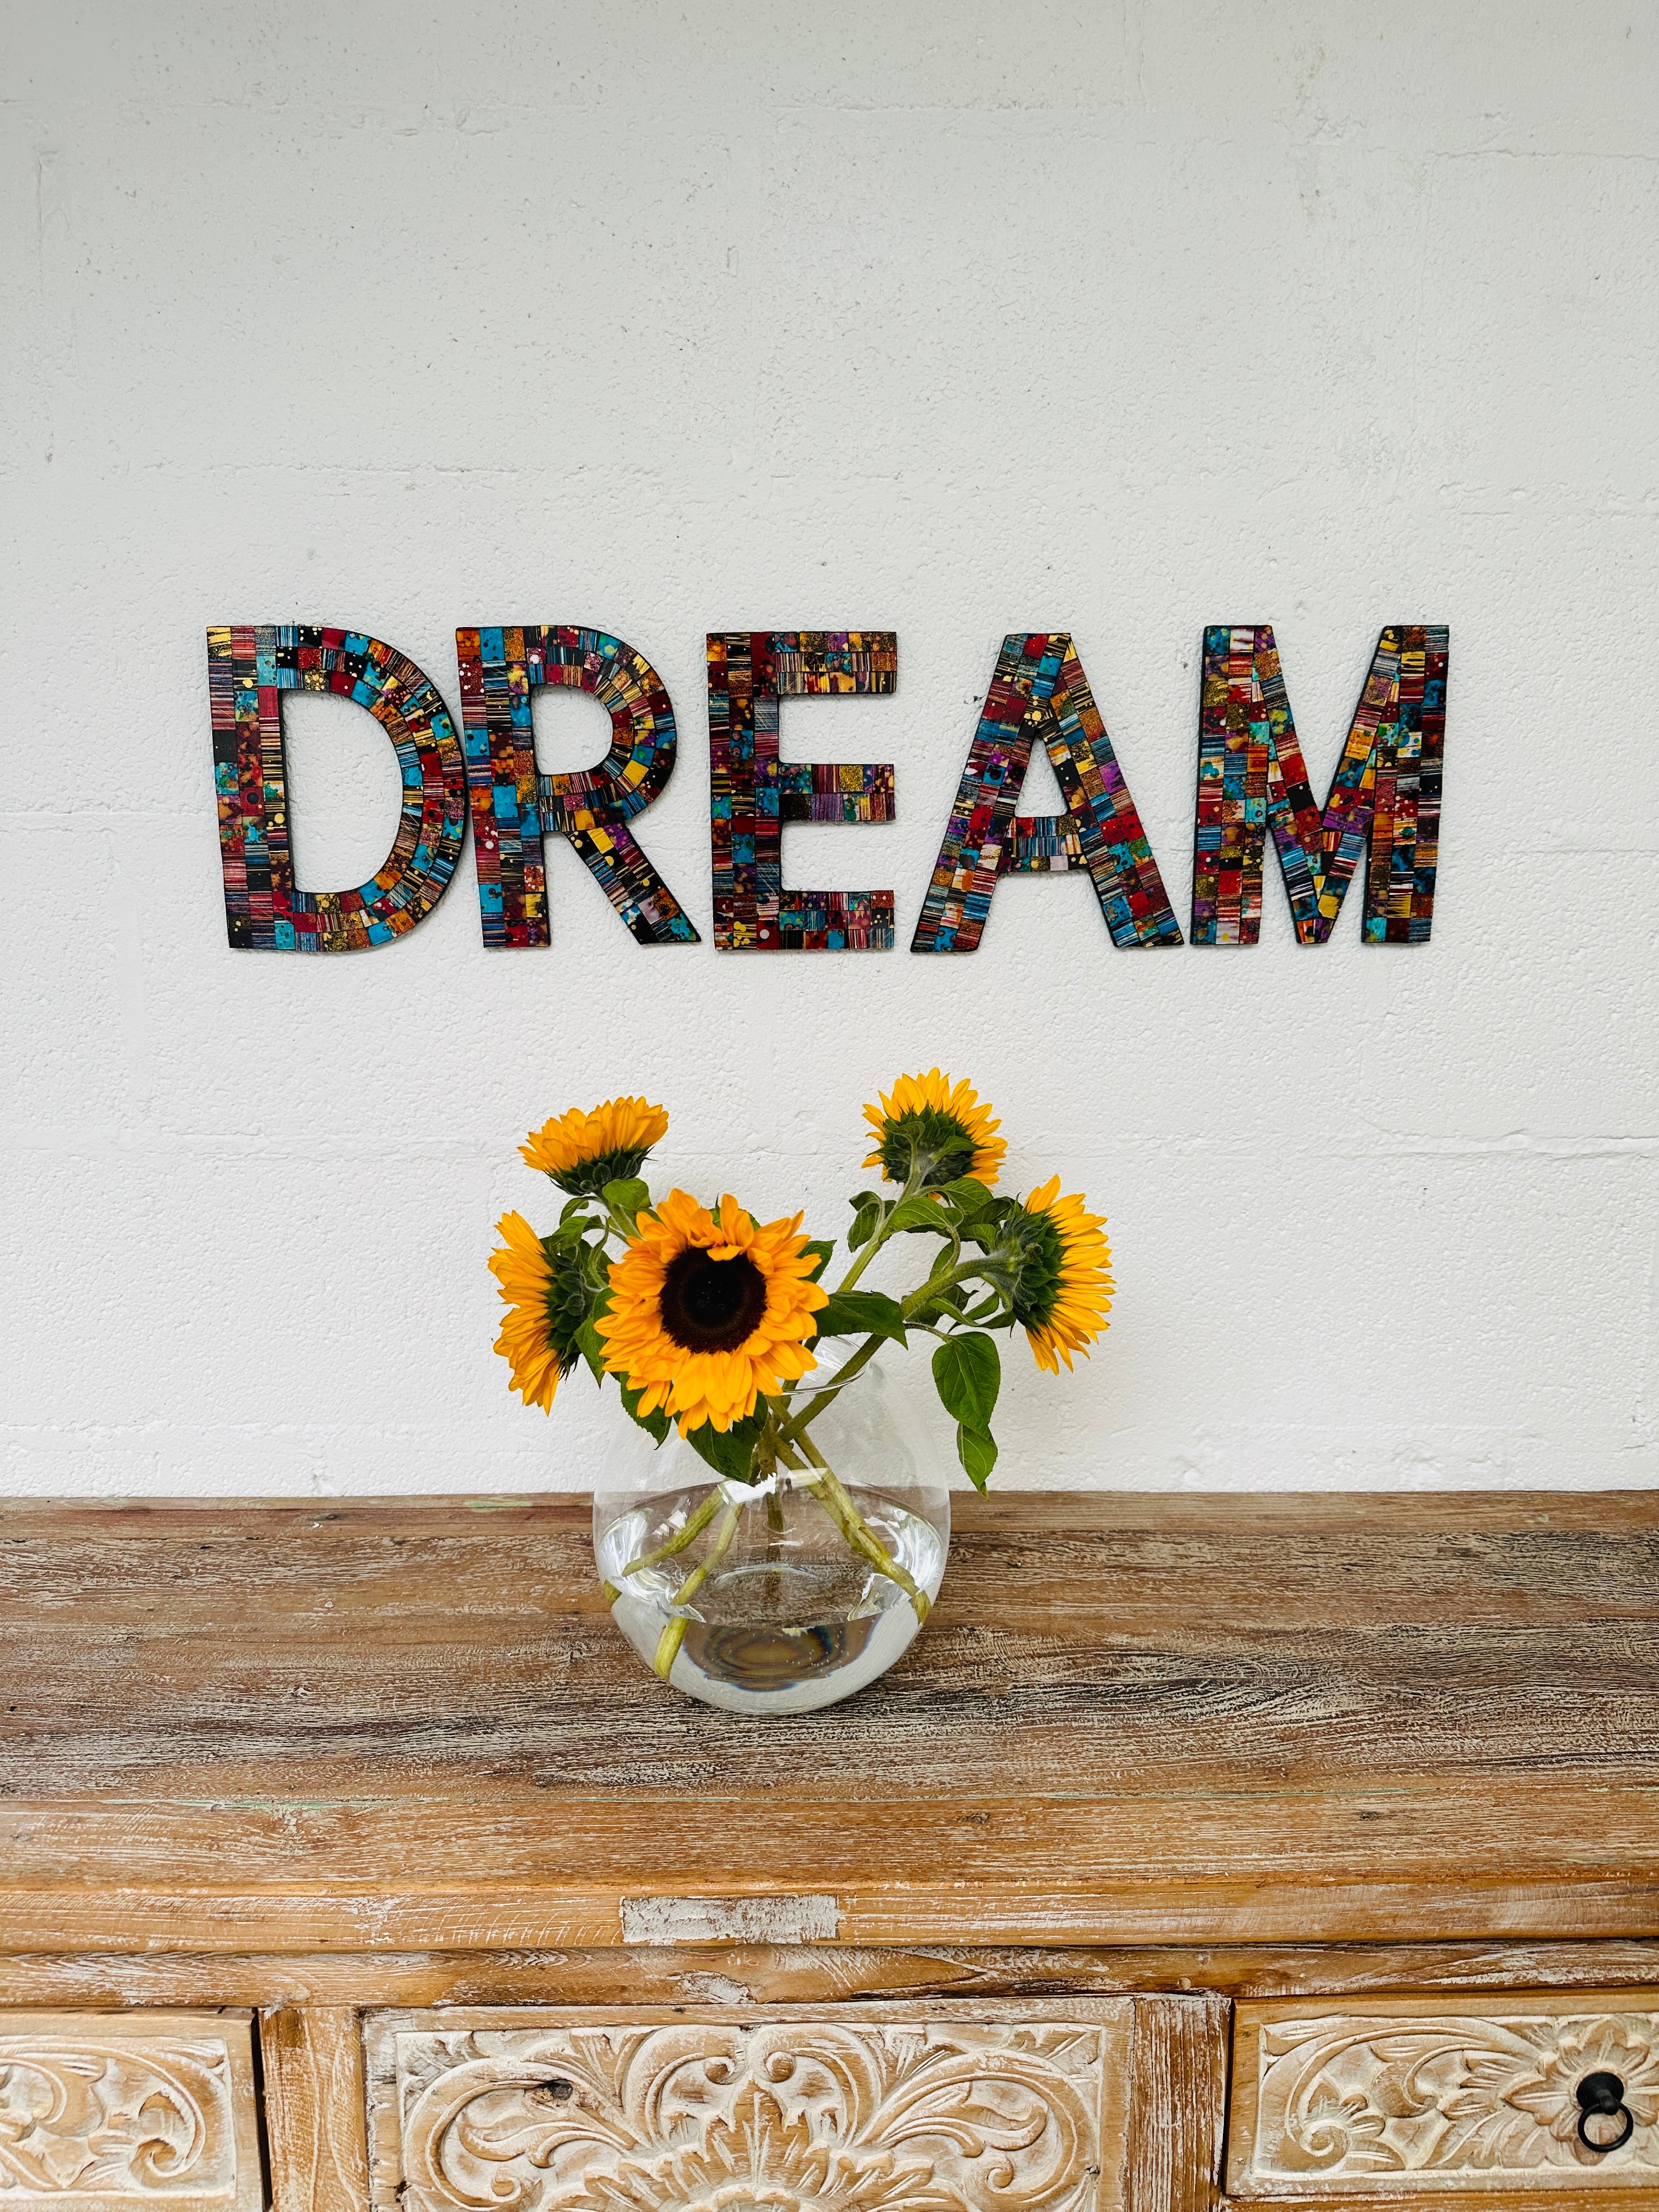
{"x":1384,"y":799}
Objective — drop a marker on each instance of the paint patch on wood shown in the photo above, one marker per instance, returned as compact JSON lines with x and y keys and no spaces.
{"x":730,"y":1919}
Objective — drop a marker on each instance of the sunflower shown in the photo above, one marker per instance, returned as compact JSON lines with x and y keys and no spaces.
{"x":582,"y":1153}
{"x":925,"y":1122}
{"x":546,"y":1305}
{"x":1065,"y":1283}
{"x":708,"y":1310}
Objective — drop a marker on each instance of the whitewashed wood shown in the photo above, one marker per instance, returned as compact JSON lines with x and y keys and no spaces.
{"x":847,"y":2108}
{"x":1419,"y":2099}
{"x":1177,"y":2103}
{"x":312,"y":2057}
{"x":111,"y":2113}
{"x":749,"y":1973}
{"x":673,"y":1920}
{"x":412,"y":1727}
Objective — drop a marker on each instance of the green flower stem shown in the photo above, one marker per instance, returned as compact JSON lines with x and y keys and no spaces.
{"x":826,"y":1485}
{"x":792,"y":1430}
{"x":831,"y":1493}
{"x":942,"y":1279}
{"x":878,"y":1237}
{"x":881,"y":1232}
{"x":673,"y":1635}
{"x":766,"y":1455}
{"x":693,"y":1528}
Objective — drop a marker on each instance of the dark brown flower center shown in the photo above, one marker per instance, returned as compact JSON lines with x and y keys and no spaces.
{"x":712,"y":1305}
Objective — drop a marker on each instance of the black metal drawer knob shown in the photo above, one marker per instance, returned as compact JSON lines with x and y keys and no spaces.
{"x":1601,"y":2103}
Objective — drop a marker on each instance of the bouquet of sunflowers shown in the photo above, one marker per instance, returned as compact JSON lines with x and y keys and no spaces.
{"x":728,"y":1329}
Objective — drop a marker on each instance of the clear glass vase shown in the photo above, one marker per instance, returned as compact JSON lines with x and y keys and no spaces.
{"x":791,"y":1592}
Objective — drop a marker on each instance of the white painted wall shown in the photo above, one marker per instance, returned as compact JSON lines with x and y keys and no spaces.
{"x":1119,"y":317}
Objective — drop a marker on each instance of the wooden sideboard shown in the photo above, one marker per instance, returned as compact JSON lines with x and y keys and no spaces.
{"x":1294,"y":1851}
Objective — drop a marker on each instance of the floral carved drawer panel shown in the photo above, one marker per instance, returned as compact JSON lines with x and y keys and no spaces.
{"x":1525,"y":2095}
{"x":101,"y":2111}
{"x":853,"y":2110}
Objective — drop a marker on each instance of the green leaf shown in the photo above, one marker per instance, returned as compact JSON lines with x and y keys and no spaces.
{"x":861,"y":1313}
{"x":655,"y":1425}
{"x":822,"y":1254}
{"x":977,"y":1450}
{"x":967,"y":1374}
{"x":918,"y":1212}
{"x":968,"y":1194}
{"x":984,"y":1227}
{"x":866,"y":1218}
{"x":732,"y":1453}
{"x":588,"y":1344}
{"x":573,"y":1207}
{"x":628,"y":1197}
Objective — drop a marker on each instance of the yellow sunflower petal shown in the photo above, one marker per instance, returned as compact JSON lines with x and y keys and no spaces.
{"x":616,"y":1135}
{"x":522,"y":1273}
{"x":721,"y":1385}
{"x":932,"y":1109}
{"x":1082,"y":1296}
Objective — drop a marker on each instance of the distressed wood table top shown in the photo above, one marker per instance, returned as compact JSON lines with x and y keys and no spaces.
{"x":1136,"y":1719}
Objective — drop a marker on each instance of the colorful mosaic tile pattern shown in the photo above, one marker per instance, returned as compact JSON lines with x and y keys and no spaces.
{"x":250,"y":665}
{"x":1252,"y":776}
{"x":752,"y":792}
{"x":1039,"y":690}
{"x":514,"y":806}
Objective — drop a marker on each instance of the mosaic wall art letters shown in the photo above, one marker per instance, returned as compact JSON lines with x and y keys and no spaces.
{"x":1039,"y":691}
{"x":250,"y":665}
{"x":1251,"y":777}
{"x":1384,"y":800}
{"x":514,"y":805}
{"x":752,"y":792}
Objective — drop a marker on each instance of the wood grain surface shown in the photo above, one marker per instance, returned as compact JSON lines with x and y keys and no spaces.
{"x":767,"y":1974}
{"x":315,"y":2121}
{"x":1177,"y":2104}
{"x":409,"y":1726}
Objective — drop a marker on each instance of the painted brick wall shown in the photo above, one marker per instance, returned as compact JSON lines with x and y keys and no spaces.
{"x":949,"y":319}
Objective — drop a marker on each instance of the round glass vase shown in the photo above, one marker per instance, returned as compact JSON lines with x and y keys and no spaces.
{"x":793,"y":1591}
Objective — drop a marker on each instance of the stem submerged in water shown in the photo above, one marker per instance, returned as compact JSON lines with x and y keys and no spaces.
{"x":832,"y":1495}
{"x":693,"y":1528}
{"x":673,"y":1635}
{"x":785,"y":1445}
{"x":804,"y":1459}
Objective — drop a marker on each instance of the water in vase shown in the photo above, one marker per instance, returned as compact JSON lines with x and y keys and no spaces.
{"x":788,"y":1617}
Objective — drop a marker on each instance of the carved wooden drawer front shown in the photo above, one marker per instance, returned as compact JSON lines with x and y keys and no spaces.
{"x":1504,"y":2099}
{"x":852,"y":2109}
{"x":112,"y":2112}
